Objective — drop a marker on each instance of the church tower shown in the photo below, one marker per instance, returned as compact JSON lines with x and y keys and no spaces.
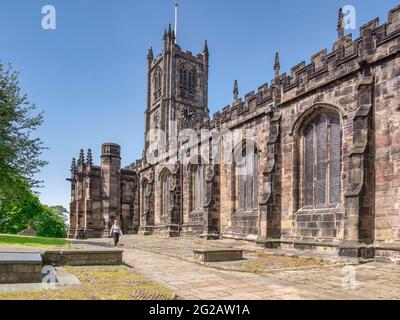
{"x":177,"y":89}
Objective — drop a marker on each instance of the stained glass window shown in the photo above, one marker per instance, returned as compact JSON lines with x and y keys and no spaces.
{"x":165,"y":192}
{"x":247,"y":176}
{"x":197,"y":187}
{"x":322,"y":161}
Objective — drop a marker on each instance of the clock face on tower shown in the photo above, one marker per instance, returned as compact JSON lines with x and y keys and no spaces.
{"x":187,"y":115}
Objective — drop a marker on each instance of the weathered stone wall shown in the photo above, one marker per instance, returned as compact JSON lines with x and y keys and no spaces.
{"x":129,"y":186}
{"x":168,"y":216}
{"x":387,"y":155}
{"x":20,"y":273}
{"x":247,"y":120}
{"x":111,"y":184}
{"x":147,"y":203}
{"x":193,"y":218}
{"x":355,"y":87}
{"x":312,"y":224}
{"x":100,"y":194}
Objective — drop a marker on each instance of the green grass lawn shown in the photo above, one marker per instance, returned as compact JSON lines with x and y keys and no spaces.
{"x":37,"y":242}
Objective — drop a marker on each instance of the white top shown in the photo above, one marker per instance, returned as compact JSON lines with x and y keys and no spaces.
{"x":116,"y":229}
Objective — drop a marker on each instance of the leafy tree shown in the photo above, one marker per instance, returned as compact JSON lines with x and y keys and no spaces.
{"x":19,"y":162}
{"x":61,"y":212}
{"x":49,"y":224}
{"x":19,"y":151}
{"x":25,"y":210}
{"x":18,"y":210}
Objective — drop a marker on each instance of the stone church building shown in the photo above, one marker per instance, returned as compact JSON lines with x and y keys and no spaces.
{"x":310,"y":160}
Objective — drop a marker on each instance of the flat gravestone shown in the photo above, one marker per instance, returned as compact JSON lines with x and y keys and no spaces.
{"x":218,"y":255}
{"x":20,"y":268}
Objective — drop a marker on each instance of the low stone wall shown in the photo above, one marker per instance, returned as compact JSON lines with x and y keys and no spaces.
{"x":20,"y":268}
{"x":303,"y":245}
{"x":82,"y":257}
{"x":387,"y":253}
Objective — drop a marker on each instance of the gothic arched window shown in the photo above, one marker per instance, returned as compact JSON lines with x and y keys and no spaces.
{"x":197,"y":187}
{"x":187,"y":79}
{"x":157,"y":79}
{"x":322,"y":161}
{"x":247,"y":167}
{"x":143,"y":198}
{"x":192,"y":81}
{"x":165,"y":192}
{"x":182,"y":77}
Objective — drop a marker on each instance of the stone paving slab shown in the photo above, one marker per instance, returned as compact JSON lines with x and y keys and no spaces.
{"x":254,"y":256}
{"x":185,"y":245}
{"x":194,"y":281}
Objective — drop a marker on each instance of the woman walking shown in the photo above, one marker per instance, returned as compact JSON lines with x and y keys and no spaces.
{"x":116,"y":232}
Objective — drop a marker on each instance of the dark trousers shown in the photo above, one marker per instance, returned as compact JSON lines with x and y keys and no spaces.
{"x":116,"y":238}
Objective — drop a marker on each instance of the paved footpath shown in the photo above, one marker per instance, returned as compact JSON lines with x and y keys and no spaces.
{"x":192,"y":281}
{"x":151,"y":256}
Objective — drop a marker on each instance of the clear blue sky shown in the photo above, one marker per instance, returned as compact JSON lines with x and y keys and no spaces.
{"x":89,"y":75}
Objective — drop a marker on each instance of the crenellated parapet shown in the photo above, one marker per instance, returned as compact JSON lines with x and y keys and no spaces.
{"x":253,"y":104}
{"x":376,"y":42}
